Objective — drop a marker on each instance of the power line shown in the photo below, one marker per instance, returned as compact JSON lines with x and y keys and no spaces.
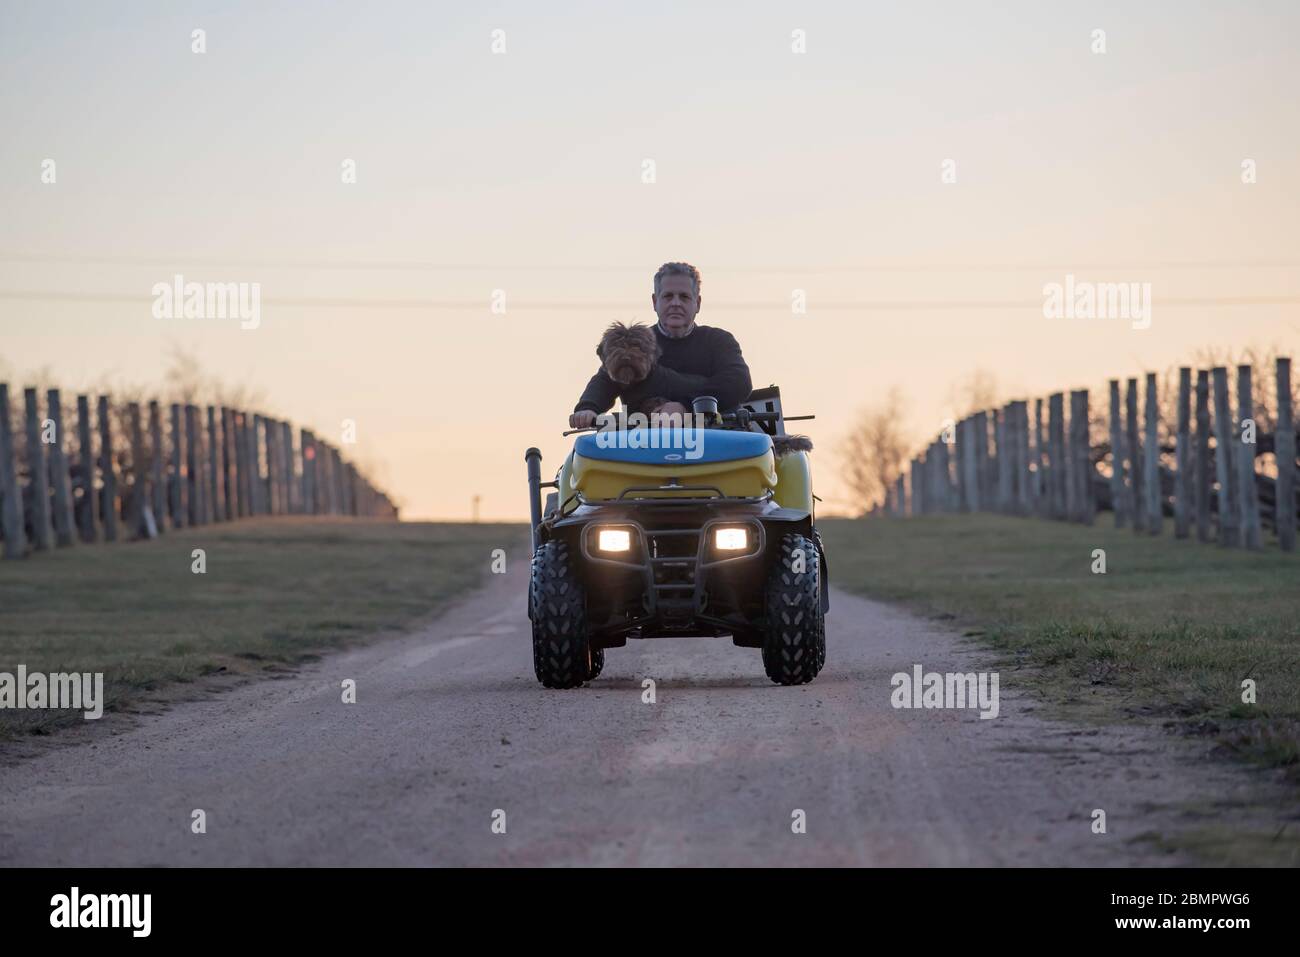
{"x":814,"y":306}
{"x":173,"y":260}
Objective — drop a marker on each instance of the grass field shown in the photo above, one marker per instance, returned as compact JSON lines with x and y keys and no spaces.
{"x":1170,"y":631}
{"x":274,"y":592}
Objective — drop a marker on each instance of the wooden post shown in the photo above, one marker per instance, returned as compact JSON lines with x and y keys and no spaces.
{"x":308,"y":473}
{"x":287,"y":468}
{"x":59,"y":477}
{"x":281,"y":455}
{"x":15,"y":532}
{"x":1018,"y":458}
{"x":1070,"y":460}
{"x":1137,"y":497}
{"x":267,"y":450}
{"x":1008,"y":466}
{"x":1001,"y":461}
{"x":1183,"y":455}
{"x":932,"y":459}
{"x":136,"y":495}
{"x":242,"y":484}
{"x":1080,"y":467}
{"x":253,"y":464}
{"x":108,"y":470}
{"x":942,"y":464}
{"x":1284,"y":452}
{"x":202,"y":456}
{"x":336,"y":483}
{"x":1040,"y":462}
{"x":982,"y":461}
{"x":252,"y":452}
{"x":178,"y":508}
{"x":255,"y":458}
{"x":1203,"y":481}
{"x":1002,"y":451}
{"x":272,"y":467}
{"x":293,"y":488}
{"x":306,"y":463}
{"x":1151,"y":462}
{"x":88,"y":514}
{"x":157,"y":459}
{"x":1225,"y":462}
{"x":959,"y":465}
{"x":1087,"y":498}
{"x":323,"y":477}
{"x":1025,"y":478}
{"x":1251,"y":534}
{"x":229,"y":491}
{"x":1118,"y":492}
{"x":927,"y":479}
{"x":193,"y":484}
{"x":1056,"y":455}
{"x":264,"y":453}
{"x":38,"y":476}
{"x":216,"y":510}
{"x":969,"y":473}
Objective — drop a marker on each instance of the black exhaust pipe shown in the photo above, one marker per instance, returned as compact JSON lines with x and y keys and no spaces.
{"x":534,"y":459}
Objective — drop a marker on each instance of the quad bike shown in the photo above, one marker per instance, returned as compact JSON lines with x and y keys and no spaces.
{"x":649,"y":542}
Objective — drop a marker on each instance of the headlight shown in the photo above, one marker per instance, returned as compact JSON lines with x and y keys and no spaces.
{"x":731,"y":539}
{"x":614,"y":540}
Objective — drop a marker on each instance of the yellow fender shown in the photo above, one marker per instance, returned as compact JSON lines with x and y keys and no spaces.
{"x":794,"y":482}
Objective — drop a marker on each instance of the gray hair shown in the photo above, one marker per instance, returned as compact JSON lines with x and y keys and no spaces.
{"x":678,"y":269}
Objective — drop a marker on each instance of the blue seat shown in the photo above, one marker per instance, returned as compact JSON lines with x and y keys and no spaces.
{"x":707,"y":445}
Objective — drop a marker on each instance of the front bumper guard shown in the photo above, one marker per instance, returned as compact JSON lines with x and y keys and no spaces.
{"x":672,"y":599}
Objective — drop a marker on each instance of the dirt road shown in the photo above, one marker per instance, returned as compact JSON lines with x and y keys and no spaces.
{"x":450,"y":728}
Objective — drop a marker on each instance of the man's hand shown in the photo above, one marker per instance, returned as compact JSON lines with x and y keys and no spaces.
{"x":582,"y":420}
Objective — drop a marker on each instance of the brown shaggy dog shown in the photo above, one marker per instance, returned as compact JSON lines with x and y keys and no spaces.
{"x":629,"y":353}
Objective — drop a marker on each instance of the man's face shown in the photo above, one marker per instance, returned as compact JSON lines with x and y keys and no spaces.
{"x":676,"y":305}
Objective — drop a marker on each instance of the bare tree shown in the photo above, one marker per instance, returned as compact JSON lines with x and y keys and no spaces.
{"x":874,"y":451}
{"x":975,"y":393}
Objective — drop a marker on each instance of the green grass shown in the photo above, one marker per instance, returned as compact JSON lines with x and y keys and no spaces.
{"x":275,"y":592}
{"x":1169,"y":632}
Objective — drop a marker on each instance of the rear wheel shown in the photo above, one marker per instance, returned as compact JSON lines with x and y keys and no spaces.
{"x":562,"y":656}
{"x":794,"y":640}
{"x":597,"y":663}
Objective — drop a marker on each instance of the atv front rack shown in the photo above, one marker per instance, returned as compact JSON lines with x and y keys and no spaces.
{"x":625,"y":498}
{"x":717,"y":498}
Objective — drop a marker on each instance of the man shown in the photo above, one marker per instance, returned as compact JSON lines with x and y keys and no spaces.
{"x":705,"y":360}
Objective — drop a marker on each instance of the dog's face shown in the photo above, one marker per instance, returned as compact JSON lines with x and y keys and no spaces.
{"x":628,"y":353}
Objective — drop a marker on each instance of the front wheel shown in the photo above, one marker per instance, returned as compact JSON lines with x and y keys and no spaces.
{"x":794,"y":639}
{"x":562,"y":656}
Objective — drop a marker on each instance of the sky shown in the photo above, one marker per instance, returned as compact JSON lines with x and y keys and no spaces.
{"x":524,"y":171}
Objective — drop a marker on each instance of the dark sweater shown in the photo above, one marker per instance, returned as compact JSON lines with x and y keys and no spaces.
{"x":706,"y":362}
